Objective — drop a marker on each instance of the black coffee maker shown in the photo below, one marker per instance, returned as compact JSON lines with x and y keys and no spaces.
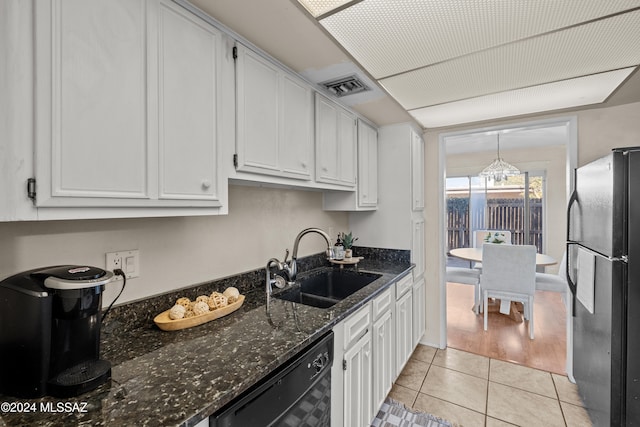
{"x":50,"y":332}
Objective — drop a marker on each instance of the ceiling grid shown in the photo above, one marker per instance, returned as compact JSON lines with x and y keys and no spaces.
{"x":427,"y":54}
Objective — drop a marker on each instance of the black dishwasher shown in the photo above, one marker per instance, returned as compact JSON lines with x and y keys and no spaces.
{"x":297,"y":394}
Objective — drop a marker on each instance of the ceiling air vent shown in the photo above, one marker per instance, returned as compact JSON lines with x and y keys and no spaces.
{"x":345,"y":86}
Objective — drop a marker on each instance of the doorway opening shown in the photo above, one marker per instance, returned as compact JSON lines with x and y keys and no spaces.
{"x":546,"y":153}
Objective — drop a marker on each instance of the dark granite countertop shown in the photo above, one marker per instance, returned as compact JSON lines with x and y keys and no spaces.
{"x":179,"y":378}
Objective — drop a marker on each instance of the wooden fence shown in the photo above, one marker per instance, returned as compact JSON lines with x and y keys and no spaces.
{"x":499,"y":214}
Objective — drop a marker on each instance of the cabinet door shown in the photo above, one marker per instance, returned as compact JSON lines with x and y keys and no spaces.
{"x":367,"y":165}
{"x":257,"y":109}
{"x":417,"y":171}
{"x":419,"y":315}
{"x":347,"y":146}
{"x":357,"y":384}
{"x":404,"y":331}
{"x":383,"y":358}
{"x":296,"y":128}
{"x":326,"y":140}
{"x":188,"y":58}
{"x":91,"y":114}
{"x":335,"y":143}
{"x":417,"y":247}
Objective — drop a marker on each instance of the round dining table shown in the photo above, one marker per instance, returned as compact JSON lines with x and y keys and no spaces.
{"x":475,"y":254}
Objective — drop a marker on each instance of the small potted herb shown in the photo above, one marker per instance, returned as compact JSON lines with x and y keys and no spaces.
{"x":347,"y":241}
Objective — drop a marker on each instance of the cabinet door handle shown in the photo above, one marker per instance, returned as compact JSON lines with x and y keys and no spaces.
{"x":303,"y":164}
{"x":363,"y":335}
{"x":206,"y":184}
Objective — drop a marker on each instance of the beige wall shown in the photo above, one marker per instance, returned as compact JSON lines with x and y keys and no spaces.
{"x":179,"y":251}
{"x":601,"y":129}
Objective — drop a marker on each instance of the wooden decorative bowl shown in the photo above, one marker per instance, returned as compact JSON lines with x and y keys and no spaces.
{"x":165,"y":323}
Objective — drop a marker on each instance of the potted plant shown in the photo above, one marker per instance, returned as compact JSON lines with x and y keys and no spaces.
{"x":347,"y":241}
{"x":496,"y":237}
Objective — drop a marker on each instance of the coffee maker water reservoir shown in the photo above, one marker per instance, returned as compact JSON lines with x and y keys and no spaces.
{"x":50,"y":332}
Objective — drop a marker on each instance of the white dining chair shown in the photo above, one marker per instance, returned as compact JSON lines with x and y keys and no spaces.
{"x":467,"y":276}
{"x":509,"y":272}
{"x":554,"y":282}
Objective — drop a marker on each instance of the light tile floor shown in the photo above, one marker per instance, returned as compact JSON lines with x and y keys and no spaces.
{"x":473,"y":390}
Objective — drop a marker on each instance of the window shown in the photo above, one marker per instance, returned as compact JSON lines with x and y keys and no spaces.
{"x":515,"y":204}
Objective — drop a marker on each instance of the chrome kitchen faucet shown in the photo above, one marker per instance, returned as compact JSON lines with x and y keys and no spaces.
{"x":291,"y":269}
{"x":288,"y":270}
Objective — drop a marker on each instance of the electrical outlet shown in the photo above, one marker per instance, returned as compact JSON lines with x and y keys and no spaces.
{"x":113,"y":261}
{"x":127,"y":261}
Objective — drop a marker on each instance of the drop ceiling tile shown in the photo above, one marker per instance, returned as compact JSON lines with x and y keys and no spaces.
{"x":320,"y":7}
{"x":581,"y":50}
{"x":581,"y":91}
{"x":391,"y":36}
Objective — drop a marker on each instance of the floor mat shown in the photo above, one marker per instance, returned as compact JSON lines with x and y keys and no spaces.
{"x":395,"y":414}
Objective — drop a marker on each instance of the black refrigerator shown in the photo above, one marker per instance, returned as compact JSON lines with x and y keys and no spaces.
{"x":603,"y":271}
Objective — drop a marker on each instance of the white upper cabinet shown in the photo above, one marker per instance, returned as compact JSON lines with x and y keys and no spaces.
{"x":275,"y":119}
{"x":417,"y":171}
{"x":365,"y":198}
{"x":367,"y":165}
{"x":296,"y":128}
{"x":335,"y":143}
{"x":188,"y":57}
{"x":91,"y":135}
{"x":126,"y":112}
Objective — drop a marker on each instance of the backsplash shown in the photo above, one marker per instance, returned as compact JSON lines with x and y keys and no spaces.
{"x":381,"y":254}
{"x":140,"y":314}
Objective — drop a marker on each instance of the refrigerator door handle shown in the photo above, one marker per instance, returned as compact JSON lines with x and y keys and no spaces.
{"x":573,"y":199}
{"x":572,"y":286}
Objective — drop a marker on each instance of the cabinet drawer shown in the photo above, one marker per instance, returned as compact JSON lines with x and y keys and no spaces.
{"x":383,"y":302}
{"x":357,"y":325}
{"x":403,"y":285}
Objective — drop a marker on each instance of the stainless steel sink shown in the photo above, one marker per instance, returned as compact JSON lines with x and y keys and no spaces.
{"x":326,"y":288}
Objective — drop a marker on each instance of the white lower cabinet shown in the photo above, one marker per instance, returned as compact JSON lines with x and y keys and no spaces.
{"x":351,"y":373}
{"x":370,"y":349}
{"x":404,"y":324}
{"x":384,"y":345}
{"x":419,"y":315}
{"x":357,"y":364}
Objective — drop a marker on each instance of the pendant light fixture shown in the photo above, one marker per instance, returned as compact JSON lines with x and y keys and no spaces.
{"x":499,"y":169}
